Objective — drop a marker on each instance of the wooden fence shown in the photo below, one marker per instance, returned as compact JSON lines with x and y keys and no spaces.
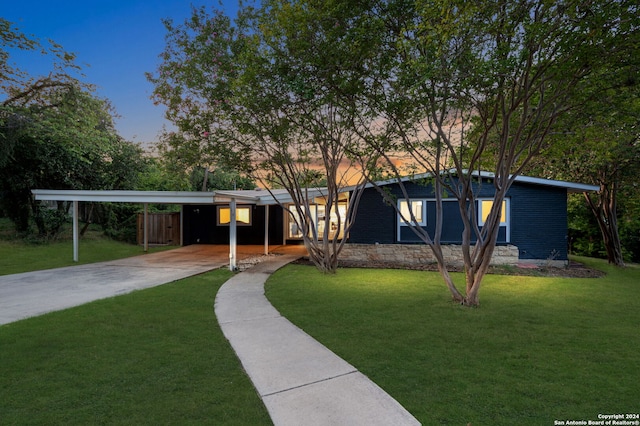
{"x":162,"y":228}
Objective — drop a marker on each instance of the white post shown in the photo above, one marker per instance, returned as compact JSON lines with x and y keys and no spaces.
{"x":266,"y":229}
{"x":181,"y":225}
{"x":286,"y":218}
{"x":76,"y":234}
{"x":232,"y":235}
{"x":145,"y":233}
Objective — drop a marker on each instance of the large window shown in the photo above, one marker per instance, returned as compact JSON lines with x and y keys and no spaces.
{"x":243,"y":215}
{"x":295,"y":231}
{"x":415,"y":206}
{"x":318,"y":216}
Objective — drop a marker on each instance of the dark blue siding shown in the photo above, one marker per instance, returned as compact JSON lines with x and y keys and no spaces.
{"x":375,"y":221}
{"x":538,"y":219}
{"x":200,"y":226}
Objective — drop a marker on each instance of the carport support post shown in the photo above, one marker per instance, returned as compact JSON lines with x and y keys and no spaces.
{"x":181,"y":225}
{"x":266,"y":229}
{"x":232,"y":235}
{"x":144,"y":225}
{"x":75,"y":231}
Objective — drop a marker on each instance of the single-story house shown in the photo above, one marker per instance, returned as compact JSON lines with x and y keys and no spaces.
{"x":534,"y":219}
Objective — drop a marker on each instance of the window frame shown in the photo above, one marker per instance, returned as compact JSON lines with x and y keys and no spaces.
{"x":318,"y":212}
{"x":505,"y":222}
{"x":401,"y":224}
{"x":423,"y":209}
{"x":238,"y":209}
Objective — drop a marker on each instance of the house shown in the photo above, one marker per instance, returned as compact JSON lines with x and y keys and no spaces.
{"x":533,"y":221}
{"x":533,"y":228}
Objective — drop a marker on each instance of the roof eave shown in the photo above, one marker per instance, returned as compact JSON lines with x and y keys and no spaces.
{"x":159,"y":197}
{"x":571,"y":187}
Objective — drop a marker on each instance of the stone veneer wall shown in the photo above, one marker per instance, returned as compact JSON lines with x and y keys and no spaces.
{"x":412,"y":254}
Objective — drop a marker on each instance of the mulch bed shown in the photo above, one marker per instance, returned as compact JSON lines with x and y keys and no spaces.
{"x":573,"y":270}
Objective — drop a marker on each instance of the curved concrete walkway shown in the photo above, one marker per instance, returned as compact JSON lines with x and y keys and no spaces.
{"x":300,"y":381}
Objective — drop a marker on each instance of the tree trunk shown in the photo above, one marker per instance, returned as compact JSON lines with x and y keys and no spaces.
{"x":474,"y":274}
{"x":605,"y":211}
{"x":442,"y":268}
{"x":324,"y":258}
{"x":88,"y":220}
{"x":472,"y":298}
{"x":477,"y":259}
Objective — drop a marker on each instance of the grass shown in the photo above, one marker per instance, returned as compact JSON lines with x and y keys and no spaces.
{"x":155,"y":356}
{"x":538,"y":349}
{"x":17,"y":256}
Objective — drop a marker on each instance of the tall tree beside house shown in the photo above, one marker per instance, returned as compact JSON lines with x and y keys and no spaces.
{"x":18,"y":87}
{"x":66,"y":140}
{"x":599,"y":143}
{"x":54,"y":133}
{"x":461,"y":79}
{"x":251,"y":90}
{"x":186,"y":165}
{"x":293,"y":81}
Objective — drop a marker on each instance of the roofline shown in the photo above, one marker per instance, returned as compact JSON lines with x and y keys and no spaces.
{"x":572,"y":187}
{"x":269,"y":197}
{"x":117,"y":196}
{"x":170,"y":197}
{"x":266,"y":197}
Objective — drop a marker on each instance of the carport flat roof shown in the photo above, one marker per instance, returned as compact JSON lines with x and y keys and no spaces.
{"x":257,"y":196}
{"x":163,"y":197}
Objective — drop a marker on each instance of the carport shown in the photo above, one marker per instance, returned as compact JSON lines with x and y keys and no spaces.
{"x":259,"y":197}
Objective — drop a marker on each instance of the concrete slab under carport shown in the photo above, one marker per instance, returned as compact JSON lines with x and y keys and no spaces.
{"x":35,"y":293}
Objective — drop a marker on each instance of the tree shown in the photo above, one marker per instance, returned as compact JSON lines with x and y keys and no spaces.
{"x":18,"y":88}
{"x":406,"y":86}
{"x":462,"y":80}
{"x":67,"y":141}
{"x":257,"y":93}
{"x":185,"y":164}
{"x":599,"y":143}
{"x":54,"y":133}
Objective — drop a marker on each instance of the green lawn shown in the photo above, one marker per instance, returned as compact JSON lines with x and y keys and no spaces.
{"x":538,"y":349}
{"x":17,"y":256}
{"x":155,"y":356}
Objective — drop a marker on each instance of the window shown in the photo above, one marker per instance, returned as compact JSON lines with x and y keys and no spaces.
{"x":294,"y":231}
{"x":318,"y":216}
{"x":243,"y":215}
{"x":484,"y":208}
{"x":418,"y":209}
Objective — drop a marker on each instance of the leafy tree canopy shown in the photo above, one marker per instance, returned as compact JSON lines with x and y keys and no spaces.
{"x":54,"y":133}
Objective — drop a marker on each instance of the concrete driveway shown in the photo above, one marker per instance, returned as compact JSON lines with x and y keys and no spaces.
{"x":35,"y":293}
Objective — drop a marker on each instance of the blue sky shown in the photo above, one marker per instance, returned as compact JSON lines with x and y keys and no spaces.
{"x":116,"y":42}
